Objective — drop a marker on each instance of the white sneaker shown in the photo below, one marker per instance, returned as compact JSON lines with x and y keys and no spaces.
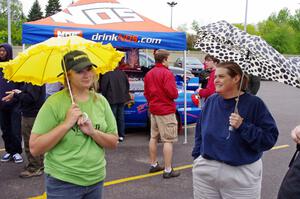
{"x":6,"y":157}
{"x":121,"y":139}
{"x":17,"y":158}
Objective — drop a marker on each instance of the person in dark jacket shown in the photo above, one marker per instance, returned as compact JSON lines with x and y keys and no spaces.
{"x":231,"y":157}
{"x":10,"y":117}
{"x":115,"y":88}
{"x":253,"y":84}
{"x":30,"y":99}
{"x":289,"y":188}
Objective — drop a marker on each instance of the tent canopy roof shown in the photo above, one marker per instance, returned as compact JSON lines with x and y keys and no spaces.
{"x":106,"y":21}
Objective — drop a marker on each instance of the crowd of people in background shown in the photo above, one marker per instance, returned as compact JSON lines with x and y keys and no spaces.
{"x":62,"y":138}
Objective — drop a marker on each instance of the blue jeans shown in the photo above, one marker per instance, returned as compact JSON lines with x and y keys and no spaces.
{"x":10,"y":122}
{"x":57,"y":189}
{"x":118,"y":111}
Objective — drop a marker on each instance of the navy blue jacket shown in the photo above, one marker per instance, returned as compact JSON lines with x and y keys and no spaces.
{"x":244,"y":145}
{"x":4,"y":84}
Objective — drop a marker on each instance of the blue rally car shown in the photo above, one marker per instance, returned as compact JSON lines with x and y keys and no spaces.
{"x":136,"y":112}
{"x":137,"y":115}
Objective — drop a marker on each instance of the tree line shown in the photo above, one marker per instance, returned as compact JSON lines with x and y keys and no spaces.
{"x":281,"y":30}
{"x":18,"y":17}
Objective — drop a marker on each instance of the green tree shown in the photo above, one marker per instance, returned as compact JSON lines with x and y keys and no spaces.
{"x":250,"y":28}
{"x":190,"y":37}
{"x":182,"y":28}
{"x":15,"y":7}
{"x":283,"y":16}
{"x":52,"y":7}
{"x":278,"y":31}
{"x":35,"y":12}
{"x":17,"y":19}
{"x":195,"y":26}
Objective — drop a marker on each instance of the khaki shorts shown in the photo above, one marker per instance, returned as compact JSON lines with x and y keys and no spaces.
{"x":164,"y":126}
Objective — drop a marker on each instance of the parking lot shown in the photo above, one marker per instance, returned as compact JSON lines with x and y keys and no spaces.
{"x":127,"y":166}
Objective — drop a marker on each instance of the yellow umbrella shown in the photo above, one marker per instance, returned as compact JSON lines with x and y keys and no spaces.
{"x":41,"y":63}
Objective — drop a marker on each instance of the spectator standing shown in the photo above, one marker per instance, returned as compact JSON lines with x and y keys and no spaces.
{"x":254,"y":84}
{"x":289,"y":188}
{"x":160,"y":91}
{"x":210,"y":63}
{"x":30,"y":99}
{"x":10,"y":116}
{"x":231,"y":158}
{"x":73,"y":136}
{"x":115,"y":88}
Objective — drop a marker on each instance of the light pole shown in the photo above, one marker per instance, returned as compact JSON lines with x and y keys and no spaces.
{"x":8,"y":22}
{"x":246,"y":13}
{"x":172,"y":4}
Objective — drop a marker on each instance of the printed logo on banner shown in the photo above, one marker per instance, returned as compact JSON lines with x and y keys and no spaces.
{"x":66,"y":33}
{"x":124,"y":38}
{"x":97,"y":13}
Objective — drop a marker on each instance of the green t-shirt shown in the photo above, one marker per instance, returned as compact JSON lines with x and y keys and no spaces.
{"x":76,"y":158}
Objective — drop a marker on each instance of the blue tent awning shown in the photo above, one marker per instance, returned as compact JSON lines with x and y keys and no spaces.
{"x":34,"y":33}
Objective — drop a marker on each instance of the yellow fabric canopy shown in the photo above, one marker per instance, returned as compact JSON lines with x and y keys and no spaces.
{"x":41,"y":63}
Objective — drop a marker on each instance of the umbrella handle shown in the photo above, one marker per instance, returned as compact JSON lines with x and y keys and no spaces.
{"x":68,"y":82}
{"x":69,"y":88}
{"x":237,"y":103}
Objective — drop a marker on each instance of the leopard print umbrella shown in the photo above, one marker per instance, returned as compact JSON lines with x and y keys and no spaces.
{"x":252,"y":53}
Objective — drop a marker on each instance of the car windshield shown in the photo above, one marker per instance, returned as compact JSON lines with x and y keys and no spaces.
{"x":193,"y":61}
{"x":143,"y":60}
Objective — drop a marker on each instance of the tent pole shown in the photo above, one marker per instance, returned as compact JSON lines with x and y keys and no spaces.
{"x":147,"y":64}
{"x":185,"y":103}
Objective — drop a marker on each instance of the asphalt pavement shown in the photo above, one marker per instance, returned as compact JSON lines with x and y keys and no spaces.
{"x":127,"y":166}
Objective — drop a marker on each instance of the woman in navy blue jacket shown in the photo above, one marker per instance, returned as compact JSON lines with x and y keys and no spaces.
{"x":228,"y":162}
{"x":10,"y":116}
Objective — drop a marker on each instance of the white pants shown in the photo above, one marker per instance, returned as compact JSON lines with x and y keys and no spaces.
{"x":216,"y":180}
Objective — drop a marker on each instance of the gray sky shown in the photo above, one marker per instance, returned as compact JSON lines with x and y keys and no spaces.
{"x":203,"y":11}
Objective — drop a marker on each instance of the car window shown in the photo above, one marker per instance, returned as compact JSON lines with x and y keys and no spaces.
{"x":178,"y":60}
{"x":143,"y":60}
{"x":193,"y":60}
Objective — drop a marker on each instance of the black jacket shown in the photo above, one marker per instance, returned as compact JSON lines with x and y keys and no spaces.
{"x":115,"y":87}
{"x":4,"y":84}
{"x":30,"y":99}
{"x":253,"y":84}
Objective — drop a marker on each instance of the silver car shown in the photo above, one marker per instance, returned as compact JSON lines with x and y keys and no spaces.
{"x":148,"y":61}
{"x":193,"y":64}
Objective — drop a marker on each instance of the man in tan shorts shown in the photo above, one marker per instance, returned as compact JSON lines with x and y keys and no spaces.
{"x":161,"y":92}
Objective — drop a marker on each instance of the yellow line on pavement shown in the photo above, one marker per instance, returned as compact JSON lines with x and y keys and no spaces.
{"x":122,"y":180}
{"x":280,"y":147}
{"x":159,"y":173}
{"x":143,"y":176}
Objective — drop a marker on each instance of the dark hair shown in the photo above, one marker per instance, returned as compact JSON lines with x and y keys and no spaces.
{"x":210,"y":57}
{"x":233,"y":70}
{"x":160,"y":55}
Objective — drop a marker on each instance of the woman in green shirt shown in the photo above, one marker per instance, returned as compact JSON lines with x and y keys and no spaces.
{"x":73,"y":135}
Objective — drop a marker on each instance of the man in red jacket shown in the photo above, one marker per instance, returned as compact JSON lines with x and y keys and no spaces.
{"x":160,"y":92}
